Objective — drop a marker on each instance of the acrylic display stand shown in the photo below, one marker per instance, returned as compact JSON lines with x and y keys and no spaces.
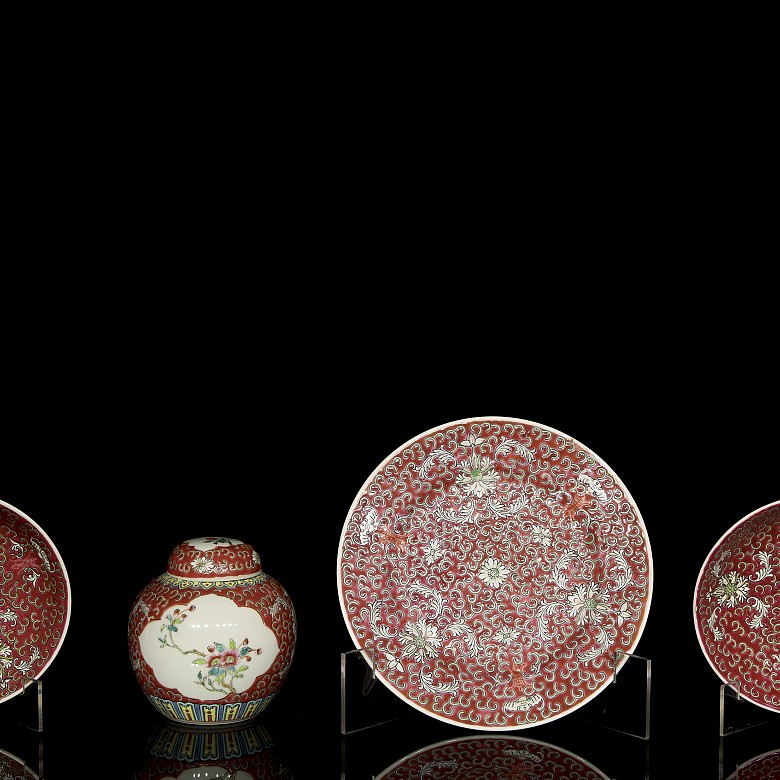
{"x":623,"y":706}
{"x":745,"y":730}
{"x":360,"y":693}
{"x":21,"y":722}
{"x":738,"y":713}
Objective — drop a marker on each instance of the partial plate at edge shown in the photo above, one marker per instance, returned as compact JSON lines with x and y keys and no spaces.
{"x":736,"y":607}
{"x":35,"y":601}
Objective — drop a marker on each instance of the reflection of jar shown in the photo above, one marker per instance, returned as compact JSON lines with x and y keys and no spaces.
{"x":212,"y":639}
{"x":243,"y":753}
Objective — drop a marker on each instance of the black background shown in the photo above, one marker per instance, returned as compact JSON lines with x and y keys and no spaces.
{"x":228,"y":292}
{"x":121,"y":449}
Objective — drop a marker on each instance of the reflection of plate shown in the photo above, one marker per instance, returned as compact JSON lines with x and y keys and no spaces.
{"x":762,"y":767}
{"x":736,"y":607}
{"x":13,"y":768}
{"x":34,"y":601}
{"x":496,"y":756}
{"x":495,"y":566}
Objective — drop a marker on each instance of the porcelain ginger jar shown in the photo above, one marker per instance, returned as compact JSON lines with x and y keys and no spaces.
{"x":212,"y":639}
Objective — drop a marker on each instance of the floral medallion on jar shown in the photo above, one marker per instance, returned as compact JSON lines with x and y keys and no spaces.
{"x":497,"y":571}
{"x":212,"y":639}
{"x":736,"y":607}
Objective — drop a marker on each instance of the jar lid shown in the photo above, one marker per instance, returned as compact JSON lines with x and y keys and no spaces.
{"x":214,"y":558}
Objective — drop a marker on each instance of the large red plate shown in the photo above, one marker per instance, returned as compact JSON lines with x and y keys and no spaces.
{"x":494,"y":566}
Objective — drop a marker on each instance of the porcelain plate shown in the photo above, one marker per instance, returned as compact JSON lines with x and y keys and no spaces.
{"x":493,"y":567}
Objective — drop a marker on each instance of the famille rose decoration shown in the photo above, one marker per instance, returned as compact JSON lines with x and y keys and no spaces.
{"x":212,"y":639}
{"x":477,"y":758}
{"x":35,"y":601}
{"x":496,"y":572}
{"x":736,"y":607}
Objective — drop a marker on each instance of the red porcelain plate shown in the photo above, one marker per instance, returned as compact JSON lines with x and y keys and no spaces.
{"x":34,"y":601}
{"x":494,"y":567}
{"x":495,"y":756}
{"x":736,"y":607}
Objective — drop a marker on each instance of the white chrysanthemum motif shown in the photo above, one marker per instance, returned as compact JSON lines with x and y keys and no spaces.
{"x":432,"y":551}
{"x":732,"y":589}
{"x":588,"y":604}
{"x":541,"y":535}
{"x":506,"y":635}
{"x":493,"y":573}
{"x":420,"y":640}
{"x":477,"y":477}
{"x":204,"y":565}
